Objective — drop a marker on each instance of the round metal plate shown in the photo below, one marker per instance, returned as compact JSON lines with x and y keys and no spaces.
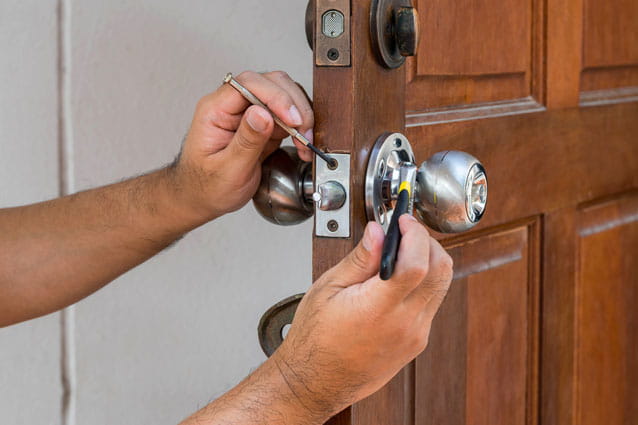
{"x":382,"y":31}
{"x":273,"y":322}
{"x":382,"y":176}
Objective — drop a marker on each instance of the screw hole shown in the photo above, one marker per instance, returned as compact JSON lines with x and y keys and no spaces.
{"x":397,"y":143}
{"x":333,"y":226}
{"x":333,"y":54}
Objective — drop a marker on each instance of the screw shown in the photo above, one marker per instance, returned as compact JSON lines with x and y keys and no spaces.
{"x":333,"y":165}
{"x":333,"y":226}
{"x":333,"y":54}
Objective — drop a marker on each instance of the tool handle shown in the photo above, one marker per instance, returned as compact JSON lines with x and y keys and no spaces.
{"x":393,"y":238}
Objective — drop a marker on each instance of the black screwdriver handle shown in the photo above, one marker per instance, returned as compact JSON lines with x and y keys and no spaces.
{"x":393,"y":238}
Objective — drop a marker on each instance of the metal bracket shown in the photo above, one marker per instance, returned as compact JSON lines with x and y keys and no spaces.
{"x":383,"y":176}
{"x":333,"y":223}
{"x":332,"y":33}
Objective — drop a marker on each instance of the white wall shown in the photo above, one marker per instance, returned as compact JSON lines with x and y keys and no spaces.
{"x":180,"y":330}
{"x":30,"y":390}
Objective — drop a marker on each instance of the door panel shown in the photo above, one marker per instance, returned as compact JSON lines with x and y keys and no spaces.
{"x":606,"y":313}
{"x":610,"y":44}
{"x":480,"y":365}
{"x":461,"y":57}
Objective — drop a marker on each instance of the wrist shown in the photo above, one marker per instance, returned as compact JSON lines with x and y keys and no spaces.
{"x":292,"y":395}
{"x":185,"y":191}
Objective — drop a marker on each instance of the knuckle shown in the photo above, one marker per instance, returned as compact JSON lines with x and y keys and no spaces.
{"x":205,"y":104}
{"x":417,"y":273}
{"x":446,"y":268}
{"x":421,"y":342}
{"x":245,"y":142}
{"x":307,"y":112}
{"x":246,"y":76}
{"x":282,"y":98}
{"x":359,"y":259}
{"x":280,"y":75}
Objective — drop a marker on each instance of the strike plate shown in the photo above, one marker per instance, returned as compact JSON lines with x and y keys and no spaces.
{"x":332,"y":33}
{"x":335,"y":223}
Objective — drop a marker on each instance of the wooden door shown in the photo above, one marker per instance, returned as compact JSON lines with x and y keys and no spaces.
{"x":541,"y":322}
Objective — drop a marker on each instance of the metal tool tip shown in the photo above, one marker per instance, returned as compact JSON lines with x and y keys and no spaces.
{"x":228,"y":77}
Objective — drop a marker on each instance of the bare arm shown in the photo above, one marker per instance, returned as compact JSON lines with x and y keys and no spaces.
{"x":55,"y":253}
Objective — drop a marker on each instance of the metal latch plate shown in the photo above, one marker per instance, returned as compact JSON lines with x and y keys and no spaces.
{"x":335,"y":223}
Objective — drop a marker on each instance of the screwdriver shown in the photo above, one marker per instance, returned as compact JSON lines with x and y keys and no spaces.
{"x":249,"y":96}
{"x":393,"y":238}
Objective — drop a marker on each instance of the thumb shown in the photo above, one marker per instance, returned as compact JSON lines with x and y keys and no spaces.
{"x":363,"y":261}
{"x":251,"y":137}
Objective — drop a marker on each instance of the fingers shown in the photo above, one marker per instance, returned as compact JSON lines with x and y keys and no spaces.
{"x":412,"y":261}
{"x":302,"y":102}
{"x":431,"y":292}
{"x":362,"y":262}
{"x":278,"y":92}
{"x":251,"y":138}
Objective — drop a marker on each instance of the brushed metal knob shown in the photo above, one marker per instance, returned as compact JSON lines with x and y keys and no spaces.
{"x":284,"y":195}
{"x":451,"y":191}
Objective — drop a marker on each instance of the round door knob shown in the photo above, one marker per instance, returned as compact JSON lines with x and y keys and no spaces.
{"x":284,"y":195}
{"x":451,"y":192}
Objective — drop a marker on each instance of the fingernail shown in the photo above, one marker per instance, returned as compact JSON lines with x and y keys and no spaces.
{"x":411,"y":217}
{"x":257,"y":119}
{"x":295,"y":116}
{"x":366,"y":241}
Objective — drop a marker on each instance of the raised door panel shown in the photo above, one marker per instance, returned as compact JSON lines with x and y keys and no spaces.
{"x":480,"y":364}
{"x":472,"y":52}
{"x":610,"y":48}
{"x":607,"y":314}
{"x":589,"y":365}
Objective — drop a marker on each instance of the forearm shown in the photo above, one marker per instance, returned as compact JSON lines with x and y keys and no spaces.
{"x":54,"y":253}
{"x":264,"y":397}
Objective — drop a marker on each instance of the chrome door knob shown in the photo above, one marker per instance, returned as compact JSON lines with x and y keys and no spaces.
{"x":451,"y":193}
{"x":450,"y":188}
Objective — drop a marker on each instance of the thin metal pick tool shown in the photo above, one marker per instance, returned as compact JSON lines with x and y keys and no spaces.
{"x":293,"y":132}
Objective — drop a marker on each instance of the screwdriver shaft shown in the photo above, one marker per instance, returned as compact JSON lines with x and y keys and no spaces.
{"x":293,"y":132}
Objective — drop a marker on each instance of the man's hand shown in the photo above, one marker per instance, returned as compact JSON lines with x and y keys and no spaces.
{"x":353,"y":331}
{"x":351,"y":334}
{"x":220,"y":163}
